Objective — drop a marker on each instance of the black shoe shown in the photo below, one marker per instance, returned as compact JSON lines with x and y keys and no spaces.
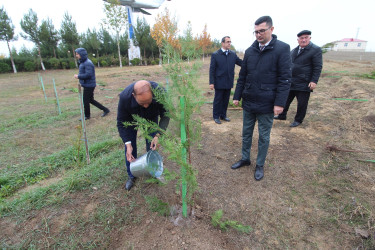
{"x":217,"y":121}
{"x":105,"y":113}
{"x":129,"y":183}
{"x":278,"y":117}
{"x":86,"y":118}
{"x":259,"y":173}
{"x":240,"y":163}
{"x":295,"y":124}
{"x":225,"y":119}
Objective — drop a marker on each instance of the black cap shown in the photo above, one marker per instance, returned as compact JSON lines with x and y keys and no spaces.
{"x":304,"y":32}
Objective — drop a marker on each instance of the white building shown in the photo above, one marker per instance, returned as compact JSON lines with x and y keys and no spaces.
{"x":350,"y":44}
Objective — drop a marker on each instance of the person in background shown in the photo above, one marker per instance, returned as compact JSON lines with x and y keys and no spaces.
{"x":307,"y":65}
{"x":138,"y":99}
{"x":86,"y":76}
{"x":222,"y":66}
{"x":263,"y":85}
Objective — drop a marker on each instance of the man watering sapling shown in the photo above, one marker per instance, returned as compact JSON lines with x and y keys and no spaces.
{"x":138,"y":99}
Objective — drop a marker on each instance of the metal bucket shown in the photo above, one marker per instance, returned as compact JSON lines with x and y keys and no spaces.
{"x":149,"y":164}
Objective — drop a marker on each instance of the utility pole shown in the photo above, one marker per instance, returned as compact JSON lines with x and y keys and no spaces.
{"x":356,"y":37}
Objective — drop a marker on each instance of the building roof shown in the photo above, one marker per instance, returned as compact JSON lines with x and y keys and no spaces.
{"x":351,"y":40}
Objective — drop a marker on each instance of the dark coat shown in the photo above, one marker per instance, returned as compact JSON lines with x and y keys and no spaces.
{"x":264,"y":78}
{"x":222,"y":69}
{"x":86,"y":74}
{"x":306,"y":67}
{"x":128,"y":106}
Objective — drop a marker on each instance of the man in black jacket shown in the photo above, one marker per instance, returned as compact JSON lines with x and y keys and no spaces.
{"x":138,"y":99}
{"x":87,"y":80}
{"x":222,"y":66}
{"x":307,"y":66}
{"x":263,"y":85}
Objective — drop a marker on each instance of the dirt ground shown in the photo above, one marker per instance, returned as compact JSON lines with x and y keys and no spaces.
{"x":310,"y":198}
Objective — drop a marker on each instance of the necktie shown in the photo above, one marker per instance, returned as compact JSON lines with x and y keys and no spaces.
{"x":299,"y":51}
{"x":261,"y":47}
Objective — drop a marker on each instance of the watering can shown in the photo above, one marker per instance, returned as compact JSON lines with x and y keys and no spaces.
{"x":149,"y":164}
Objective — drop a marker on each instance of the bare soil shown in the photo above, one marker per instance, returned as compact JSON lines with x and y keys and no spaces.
{"x":310,"y":197}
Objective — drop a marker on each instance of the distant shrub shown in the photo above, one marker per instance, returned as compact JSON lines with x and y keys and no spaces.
{"x":4,"y":68}
{"x":135,"y":61}
{"x":55,"y":63}
{"x":103,"y":63}
{"x":64,"y":65}
{"x":29,"y":66}
{"x":115,"y":61}
{"x":94,"y":61}
{"x":72,"y":65}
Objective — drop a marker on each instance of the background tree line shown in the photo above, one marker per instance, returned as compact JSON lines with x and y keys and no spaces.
{"x":108,"y":46}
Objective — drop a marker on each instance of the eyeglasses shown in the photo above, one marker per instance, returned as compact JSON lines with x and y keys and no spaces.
{"x":260,"y":32}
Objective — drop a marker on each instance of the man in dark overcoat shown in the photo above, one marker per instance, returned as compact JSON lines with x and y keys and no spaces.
{"x":222,"y":66}
{"x":263,"y":85}
{"x":307,"y":65}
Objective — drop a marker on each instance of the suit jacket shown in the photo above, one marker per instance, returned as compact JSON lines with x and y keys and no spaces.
{"x":264,"y":79}
{"x":222,"y":69}
{"x":306,"y":67}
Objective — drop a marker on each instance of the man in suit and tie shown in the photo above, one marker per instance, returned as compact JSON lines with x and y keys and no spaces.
{"x":307,"y":66}
{"x":222,"y":66}
{"x":263,"y":86}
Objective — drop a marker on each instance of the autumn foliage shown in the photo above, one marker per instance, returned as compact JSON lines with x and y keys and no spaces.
{"x":204,"y":40}
{"x":165,"y":30}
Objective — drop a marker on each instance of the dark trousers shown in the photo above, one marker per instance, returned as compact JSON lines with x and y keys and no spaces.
{"x":302,"y":102}
{"x":88,"y":97}
{"x":221,"y":101}
{"x":134,"y":153}
{"x":265,"y":122}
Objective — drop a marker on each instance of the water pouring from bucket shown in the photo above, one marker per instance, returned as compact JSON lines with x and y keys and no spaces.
{"x":149,"y":164}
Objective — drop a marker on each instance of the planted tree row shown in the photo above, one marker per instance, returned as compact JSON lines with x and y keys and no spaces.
{"x":108,"y":46}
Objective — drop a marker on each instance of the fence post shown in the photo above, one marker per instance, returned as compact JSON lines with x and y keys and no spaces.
{"x":57,"y":98}
{"x":183,"y":169}
{"x":41,"y":81}
{"x":83,"y":123}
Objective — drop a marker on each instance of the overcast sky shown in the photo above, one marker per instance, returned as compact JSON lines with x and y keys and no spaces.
{"x":329,"y":20}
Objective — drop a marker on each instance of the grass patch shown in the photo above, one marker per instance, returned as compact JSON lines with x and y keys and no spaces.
{"x":224,"y":225}
{"x":12,"y":180}
{"x":156,"y":205}
{"x":37,"y":120}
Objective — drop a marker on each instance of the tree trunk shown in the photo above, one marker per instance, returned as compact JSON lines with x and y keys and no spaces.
{"x":97,"y":57}
{"x":144,"y":56}
{"x":40,"y":57}
{"x":54,"y":52}
{"x":118,"y":48}
{"x":74,"y":56}
{"x":159,"y":56}
{"x":11,"y":59}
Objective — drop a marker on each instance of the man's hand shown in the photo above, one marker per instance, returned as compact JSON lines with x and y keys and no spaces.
{"x":211,"y":86}
{"x":154,"y":143}
{"x":76,"y":76}
{"x":129,"y":151}
{"x":312,"y":85}
{"x":277,"y":110}
{"x":235,"y":102}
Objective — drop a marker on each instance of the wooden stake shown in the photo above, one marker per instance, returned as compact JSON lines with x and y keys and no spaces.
{"x":183,"y":170}
{"x":83,"y":123}
{"x":57,"y":98}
